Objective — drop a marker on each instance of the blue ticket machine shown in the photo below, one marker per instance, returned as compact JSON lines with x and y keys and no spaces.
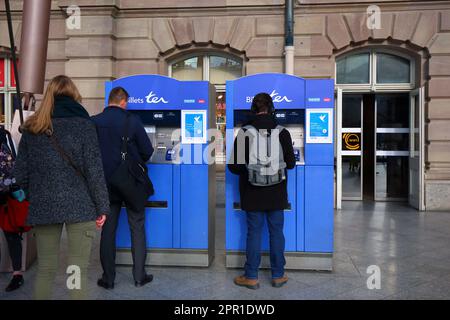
{"x":180,"y":215}
{"x":305,"y":108}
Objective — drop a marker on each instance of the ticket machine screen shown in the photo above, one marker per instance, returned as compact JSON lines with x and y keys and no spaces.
{"x":161,"y":128}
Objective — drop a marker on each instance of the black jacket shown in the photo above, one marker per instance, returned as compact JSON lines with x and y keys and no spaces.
{"x":269,"y":198}
{"x":110,"y":128}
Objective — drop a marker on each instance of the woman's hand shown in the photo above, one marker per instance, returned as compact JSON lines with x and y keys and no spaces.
{"x":100,"y":221}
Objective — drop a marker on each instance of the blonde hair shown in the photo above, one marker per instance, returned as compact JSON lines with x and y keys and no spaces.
{"x":41,"y":120}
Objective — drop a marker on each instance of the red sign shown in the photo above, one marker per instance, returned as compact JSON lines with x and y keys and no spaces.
{"x":2,"y":73}
{"x":327,"y":99}
{"x":201,"y":101}
{"x":13,"y":78}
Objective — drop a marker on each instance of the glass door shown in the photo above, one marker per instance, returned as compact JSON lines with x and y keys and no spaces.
{"x":392,"y":146}
{"x":416,"y":166}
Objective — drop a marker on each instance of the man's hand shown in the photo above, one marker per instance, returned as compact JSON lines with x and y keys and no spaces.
{"x":100,"y":221}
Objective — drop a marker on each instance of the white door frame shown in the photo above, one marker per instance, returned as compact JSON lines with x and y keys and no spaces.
{"x":373,"y":87}
{"x":420,"y":92}
{"x":339,"y":96}
{"x":338,"y":148}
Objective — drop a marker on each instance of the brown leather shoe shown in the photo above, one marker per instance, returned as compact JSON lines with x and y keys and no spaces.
{"x":278,"y":283}
{"x":248,"y":283}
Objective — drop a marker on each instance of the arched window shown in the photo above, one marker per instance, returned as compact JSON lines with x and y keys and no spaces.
{"x":353,"y":69}
{"x":7,"y":90}
{"x":375,"y":69}
{"x":188,"y":69}
{"x":222,"y":69}
{"x":393,"y":69}
{"x":216,"y":68}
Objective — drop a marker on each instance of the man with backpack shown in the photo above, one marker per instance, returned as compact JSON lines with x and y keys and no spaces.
{"x":262,"y":152}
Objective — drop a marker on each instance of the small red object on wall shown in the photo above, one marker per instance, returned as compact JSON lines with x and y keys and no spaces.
{"x":2,"y":73}
{"x":13,"y":78}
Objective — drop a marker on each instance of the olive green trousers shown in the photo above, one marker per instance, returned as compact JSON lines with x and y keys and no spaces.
{"x":48,"y":238}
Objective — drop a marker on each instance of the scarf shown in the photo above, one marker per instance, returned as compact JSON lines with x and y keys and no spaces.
{"x":66,"y":107}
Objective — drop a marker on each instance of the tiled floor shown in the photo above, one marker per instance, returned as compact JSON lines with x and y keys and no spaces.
{"x":412,"y":250}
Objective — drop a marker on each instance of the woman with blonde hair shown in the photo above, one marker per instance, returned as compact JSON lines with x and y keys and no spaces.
{"x":60,"y":169}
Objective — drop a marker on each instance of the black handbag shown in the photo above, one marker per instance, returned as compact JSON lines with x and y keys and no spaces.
{"x":130,"y":180}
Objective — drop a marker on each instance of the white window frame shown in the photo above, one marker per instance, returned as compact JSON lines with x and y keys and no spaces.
{"x":8,"y":91}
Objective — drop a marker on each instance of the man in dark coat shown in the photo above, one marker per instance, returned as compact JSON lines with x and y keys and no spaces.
{"x":262,"y":201}
{"x":110,"y":128}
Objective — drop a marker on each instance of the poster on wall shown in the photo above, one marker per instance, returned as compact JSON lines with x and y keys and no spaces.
{"x":319,"y":125}
{"x":193,"y":127}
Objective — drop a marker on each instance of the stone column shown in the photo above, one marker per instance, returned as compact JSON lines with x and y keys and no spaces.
{"x":437,"y":184}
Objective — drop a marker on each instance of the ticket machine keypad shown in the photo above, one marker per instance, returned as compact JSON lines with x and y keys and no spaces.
{"x":298,"y":142}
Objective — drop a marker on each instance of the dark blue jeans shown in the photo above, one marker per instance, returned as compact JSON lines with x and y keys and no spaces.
{"x":255,"y":222}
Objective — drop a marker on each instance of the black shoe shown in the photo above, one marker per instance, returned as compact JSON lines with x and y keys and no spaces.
{"x":16,"y":282}
{"x":104,"y":284}
{"x":148,"y":278}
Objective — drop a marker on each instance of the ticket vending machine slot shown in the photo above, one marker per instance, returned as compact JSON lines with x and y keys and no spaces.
{"x":156,"y":204}
{"x":237,"y":206}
